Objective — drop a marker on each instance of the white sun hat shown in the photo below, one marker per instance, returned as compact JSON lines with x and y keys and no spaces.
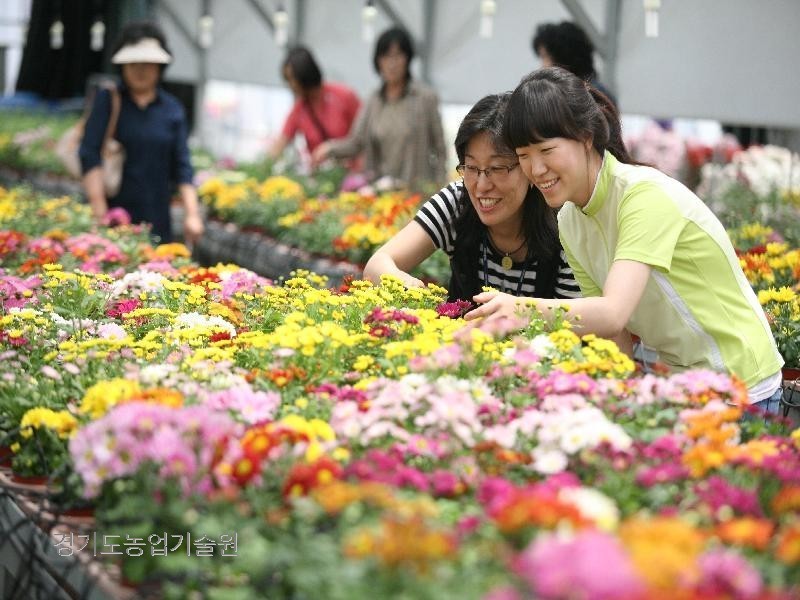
{"x":146,"y":50}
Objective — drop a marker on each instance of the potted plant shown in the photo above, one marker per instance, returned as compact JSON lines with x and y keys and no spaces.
{"x":782,"y":307}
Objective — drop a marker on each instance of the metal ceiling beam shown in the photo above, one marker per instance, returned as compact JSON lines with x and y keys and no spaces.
{"x":265,"y":16}
{"x":429,"y":16}
{"x":390,"y":12}
{"x":613,"y":17}
{"x":164,"y":5}
{"x":299,"y":21}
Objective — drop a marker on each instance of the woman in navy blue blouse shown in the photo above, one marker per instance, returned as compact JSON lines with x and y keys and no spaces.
{"x":152,"y":128}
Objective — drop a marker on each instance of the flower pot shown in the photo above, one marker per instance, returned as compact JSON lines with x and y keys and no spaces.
{"x":37,"y":486}
{"x":791,"y":373}
{"x":6,"y":454}
{"x":29,"y":479}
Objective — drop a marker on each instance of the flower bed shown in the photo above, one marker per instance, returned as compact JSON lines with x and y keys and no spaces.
{"x":297,"y":441}
{"x":349,"y":226}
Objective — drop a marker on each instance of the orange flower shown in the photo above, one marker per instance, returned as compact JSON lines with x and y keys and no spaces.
{"x":787,"y":500}
{"x":788,"y":550}
{"x":703,"y":457}
{"x":664,"y":550}
{"x":746,"y":531}
{"x":527,"y":508}
{"x":402,"y":541}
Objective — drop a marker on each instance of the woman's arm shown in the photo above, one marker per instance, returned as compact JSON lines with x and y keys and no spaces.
{"x":95,"y":192}
{"x":91,"y":160}
{"x":606,"y":315}
{"x":351,"y":145}
{"x":407,"y":249}
{"x":277,"y":147}
{"x":193,"y":227}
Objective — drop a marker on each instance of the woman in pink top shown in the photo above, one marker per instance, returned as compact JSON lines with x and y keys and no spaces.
{"x":322,"y":110}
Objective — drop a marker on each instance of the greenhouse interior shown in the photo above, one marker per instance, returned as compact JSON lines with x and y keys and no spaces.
{"x":419,"y":299}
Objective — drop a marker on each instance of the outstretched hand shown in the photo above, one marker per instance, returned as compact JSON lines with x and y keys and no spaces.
{"x":497,"y":305}
{"x":499,"y":313}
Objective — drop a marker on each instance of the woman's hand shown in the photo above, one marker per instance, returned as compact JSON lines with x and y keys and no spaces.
{"x":193,"y":229}
{"x":497,"y":305}
{"x":410,"y":281}
{"x":320,"y":153}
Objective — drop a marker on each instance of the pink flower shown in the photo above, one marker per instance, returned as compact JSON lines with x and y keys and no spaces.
{"x":726,"y":574}
{"x":116,"y":216}
{"x":564,"y":569}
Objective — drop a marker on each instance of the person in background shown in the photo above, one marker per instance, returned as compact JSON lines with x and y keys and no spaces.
{"x":567,"y":45}
{"x":649,"y":255}
{"x":152,"y":129}
{"x":399,"y":130}
{"x":322,"y":110}
{"x":495,"y":228}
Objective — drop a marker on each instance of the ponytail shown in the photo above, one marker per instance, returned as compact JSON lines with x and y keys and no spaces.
{"x":615,"y":145}
{"x":552,"y":102}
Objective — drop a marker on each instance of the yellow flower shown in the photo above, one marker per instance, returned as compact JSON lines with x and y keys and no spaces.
{"x":62,"y":422}
{"x":103,"y":395}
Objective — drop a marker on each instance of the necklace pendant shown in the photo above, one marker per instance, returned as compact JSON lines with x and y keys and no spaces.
{"x":506,"y":262}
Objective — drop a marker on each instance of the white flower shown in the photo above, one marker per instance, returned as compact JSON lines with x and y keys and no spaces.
{"x":549,"y":461}
{"x":154,"y":374}
{"x":138,"y":281}
{"x":593,"y":505}
{"x":542,"y":345}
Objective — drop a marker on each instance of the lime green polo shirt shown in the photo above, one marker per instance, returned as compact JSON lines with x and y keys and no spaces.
{"x":698,"y":310}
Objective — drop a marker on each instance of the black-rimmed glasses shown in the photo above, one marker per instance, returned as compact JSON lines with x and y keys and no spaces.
{"x":494,"y":174}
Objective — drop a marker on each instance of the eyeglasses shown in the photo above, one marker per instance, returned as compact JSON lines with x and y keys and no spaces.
{"x":495,"y":174}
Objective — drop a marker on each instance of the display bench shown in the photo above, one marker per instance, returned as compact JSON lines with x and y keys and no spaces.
{"x":41,"y":555}
{"x":228,"y":243}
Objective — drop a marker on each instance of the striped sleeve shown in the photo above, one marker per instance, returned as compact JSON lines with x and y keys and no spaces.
{"x":566,"y":286}
{"x":439,"y":214}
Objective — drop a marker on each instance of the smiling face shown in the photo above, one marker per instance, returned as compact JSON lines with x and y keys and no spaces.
{"x":498,"y":198}
{"x":563,"y":169}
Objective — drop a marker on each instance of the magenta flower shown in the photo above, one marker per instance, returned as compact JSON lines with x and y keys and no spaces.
{"x":716,"y":492}
{"x":445,"y":484}
{"x":454,"y":310}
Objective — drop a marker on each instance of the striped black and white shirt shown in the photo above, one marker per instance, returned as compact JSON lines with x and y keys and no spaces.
{"x":438,"y":217}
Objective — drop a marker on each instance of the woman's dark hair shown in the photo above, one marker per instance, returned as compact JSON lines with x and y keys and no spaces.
{"x":552,"y":102}
{"x":390,"y":37}
{"x":304,"y":68}
{"x":538,"y":219}
{"x":568,"y":46}
{"x":134,"y":32}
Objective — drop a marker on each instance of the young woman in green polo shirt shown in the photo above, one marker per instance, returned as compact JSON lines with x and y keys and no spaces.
{"x":650,"y":257}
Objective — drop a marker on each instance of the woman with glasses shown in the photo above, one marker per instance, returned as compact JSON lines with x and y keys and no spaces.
{"x":492,"y":224}
{"x":650,"y":256}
